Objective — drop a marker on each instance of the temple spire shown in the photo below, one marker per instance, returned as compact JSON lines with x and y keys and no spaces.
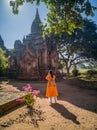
{"x":35,"y":27}
{"x":37,"y":18}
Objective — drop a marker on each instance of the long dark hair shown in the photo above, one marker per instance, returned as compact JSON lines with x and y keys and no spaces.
{"x":51,"y":73}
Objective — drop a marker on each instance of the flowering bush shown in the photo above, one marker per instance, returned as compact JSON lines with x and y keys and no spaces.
{"x":28,"y":95}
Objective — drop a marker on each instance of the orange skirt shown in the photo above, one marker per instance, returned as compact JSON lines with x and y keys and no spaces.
{"x":51,"y":91}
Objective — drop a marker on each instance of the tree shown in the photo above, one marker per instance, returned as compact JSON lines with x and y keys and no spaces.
{"x":3,"y":61}
{"x":78,"y":47}
{"x":89,"y":39}
{"x":64,"y":15}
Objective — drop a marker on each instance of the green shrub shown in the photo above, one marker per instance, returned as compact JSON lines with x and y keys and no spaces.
{"x":91,"y":73}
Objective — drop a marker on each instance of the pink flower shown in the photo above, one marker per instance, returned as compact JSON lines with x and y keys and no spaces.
{"x":35,"y":92}
{"x":20,"y":99}
{"x":28,"y":95}
{"x":27,"y":88}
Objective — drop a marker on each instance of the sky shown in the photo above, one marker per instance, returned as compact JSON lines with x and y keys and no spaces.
{"x":15,"y":27}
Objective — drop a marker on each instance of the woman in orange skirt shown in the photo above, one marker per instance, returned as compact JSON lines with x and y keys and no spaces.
{"x":51,"y":91}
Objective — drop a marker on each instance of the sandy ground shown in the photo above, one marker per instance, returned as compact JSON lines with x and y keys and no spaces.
{"x":76,"y":109}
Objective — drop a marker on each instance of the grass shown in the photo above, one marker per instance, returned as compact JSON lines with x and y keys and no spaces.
{"x":84,"y":76}
{"x":84,"y":71}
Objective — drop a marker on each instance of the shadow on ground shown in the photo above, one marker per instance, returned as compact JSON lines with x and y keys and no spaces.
{"x":65,"y":113}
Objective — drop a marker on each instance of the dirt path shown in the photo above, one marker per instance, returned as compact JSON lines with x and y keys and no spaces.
{"x":76,"y":109}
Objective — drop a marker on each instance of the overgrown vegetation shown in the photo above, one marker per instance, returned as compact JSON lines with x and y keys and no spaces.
{"x":3,"y":62}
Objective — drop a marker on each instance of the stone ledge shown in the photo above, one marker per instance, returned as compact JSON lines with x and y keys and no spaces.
{"x":8,"y":102}
{"x":7,"y":107}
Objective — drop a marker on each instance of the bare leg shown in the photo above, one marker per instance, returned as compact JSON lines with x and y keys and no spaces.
{"x":50,"y":100}
{"x":55,"y":98}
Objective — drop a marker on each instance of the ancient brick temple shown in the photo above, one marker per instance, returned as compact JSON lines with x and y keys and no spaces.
{"x":32,"y":57}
